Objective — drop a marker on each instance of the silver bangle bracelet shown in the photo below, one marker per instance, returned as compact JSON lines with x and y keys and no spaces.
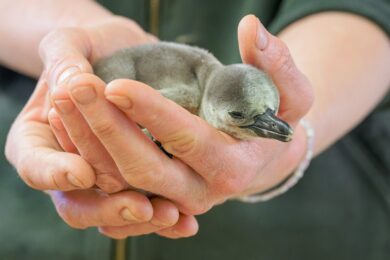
{"x":293,"y":178}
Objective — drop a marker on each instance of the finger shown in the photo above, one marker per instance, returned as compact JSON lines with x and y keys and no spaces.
{"x":187,"y":226}
{"x":68,"y":51}
{"x":165,"y":214}
{"x":139,"y":160}
{"x":43,"y":167}
{"x":32,"y":149}
{"x":90,"y":148}
{"x":59,"y":131}
{"x":91,"y":208}
{"x":64,"y":53}
{"x":267,"y":52}
{"x":185,"y":135}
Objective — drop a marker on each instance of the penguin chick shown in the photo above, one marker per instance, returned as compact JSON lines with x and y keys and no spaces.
{"x":237,"y":99}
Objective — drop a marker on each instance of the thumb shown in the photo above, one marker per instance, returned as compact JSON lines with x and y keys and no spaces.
{"x":263,"y":50}
{"x":65,"y":52}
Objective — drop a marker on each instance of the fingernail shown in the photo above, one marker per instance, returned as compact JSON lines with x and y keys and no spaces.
{"x":74,"y":181}
{"x":120,"y":101}
{"x":65,"y":75}
{"x":84,"y":95}
{"x":127,"y":215}
{"x":64,"y":106}
{"x":262,"y":36}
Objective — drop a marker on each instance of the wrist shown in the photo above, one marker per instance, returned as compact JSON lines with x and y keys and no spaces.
{"x":23,"y":31}
{"x":283,"y":167}
{"x":69,"y":50}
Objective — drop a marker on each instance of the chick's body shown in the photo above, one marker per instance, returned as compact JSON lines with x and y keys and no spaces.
{"x":167,"y":67}
{"x":231,"y":98}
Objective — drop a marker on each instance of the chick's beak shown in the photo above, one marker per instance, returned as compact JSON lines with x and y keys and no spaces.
{"x":269,"y":126}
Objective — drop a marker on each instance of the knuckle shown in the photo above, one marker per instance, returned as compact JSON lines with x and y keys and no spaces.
{"x":58,"y":180}
{"x":55,"y":180}
{"x":81,"y":137}
{"x":59,"y":65}
{"x":104,"y":129}
{"x":182,"y":145}
{"x":109,"y":183}
{"x":55,"y":66}
{"x":47,"y":40}
{"x":58,"y":60}
{"x":55,"y":177}
{"x":142,"y":175}
{"x":78,"y":134}
{"x":57,"y":35}
{"x":24,"y":171}
{"x":29,"y":181}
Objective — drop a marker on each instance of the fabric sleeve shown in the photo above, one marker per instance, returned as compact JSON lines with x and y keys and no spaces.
{"x":377,"y":11}
{"x":290,"y":11}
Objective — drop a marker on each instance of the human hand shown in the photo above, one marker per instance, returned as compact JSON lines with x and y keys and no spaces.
{"x":68,"y":51}
{"x":123,"y":214}
{"x":42,"y":164}
{"x":33,"y":150}
{"x":203,"y":172}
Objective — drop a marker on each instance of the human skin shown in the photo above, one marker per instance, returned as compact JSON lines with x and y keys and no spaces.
{"x":377,"y":42}
{"x":186,"y":137}
{"x":73,"y":41}
{"x":28,"y":21}
{"x":347,"y":59}
{"x":32,"y":148}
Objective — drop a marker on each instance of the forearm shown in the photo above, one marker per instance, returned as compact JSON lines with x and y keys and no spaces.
{"x":26,"y":22}
{"x":347,"y":60}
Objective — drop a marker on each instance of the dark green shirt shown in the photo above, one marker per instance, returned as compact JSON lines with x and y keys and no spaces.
{"x":340,"y":210}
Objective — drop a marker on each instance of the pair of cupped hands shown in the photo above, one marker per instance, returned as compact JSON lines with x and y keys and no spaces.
{"x":78,"y":139}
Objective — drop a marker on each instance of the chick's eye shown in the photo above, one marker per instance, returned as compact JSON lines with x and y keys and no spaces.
{"x":236,"y":115}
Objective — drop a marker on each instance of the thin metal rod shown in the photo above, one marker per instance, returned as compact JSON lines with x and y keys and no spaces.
{"x":154,"y":17}
{"x":120,"y":249}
